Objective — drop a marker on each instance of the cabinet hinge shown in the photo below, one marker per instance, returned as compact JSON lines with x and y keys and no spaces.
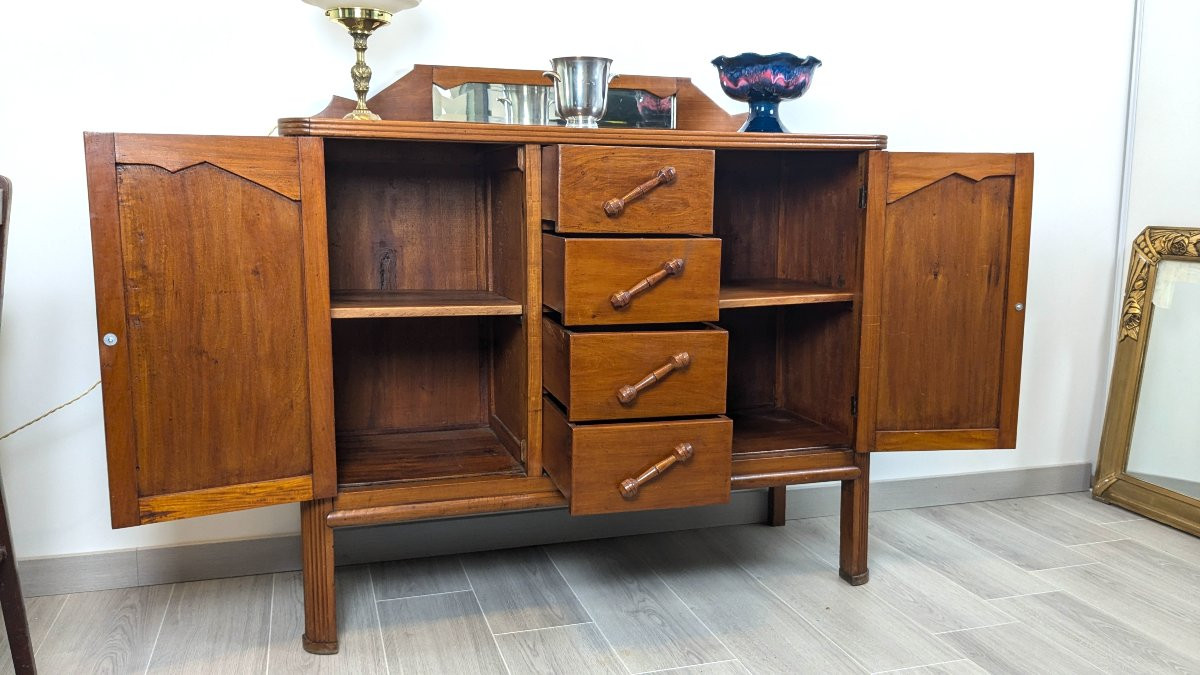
{"x":862,"y":196}
{"x":854,"y":405}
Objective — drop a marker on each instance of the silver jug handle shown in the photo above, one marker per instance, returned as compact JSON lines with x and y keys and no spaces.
{"x":551,"y":74}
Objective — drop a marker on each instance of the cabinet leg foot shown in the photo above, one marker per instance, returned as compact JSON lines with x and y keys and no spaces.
{"x":777,"y":505}
{"x":320,"y":604}
{"x":855,"y":505}
{"x":853,"y":579}
{"x":320,"y":648}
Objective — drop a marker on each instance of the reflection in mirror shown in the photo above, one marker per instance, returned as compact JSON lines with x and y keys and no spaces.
{"x":1165,"y":444}
{"x":535,"y":104}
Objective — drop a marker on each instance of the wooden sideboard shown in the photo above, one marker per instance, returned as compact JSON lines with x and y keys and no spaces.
{"x":397,"y":320}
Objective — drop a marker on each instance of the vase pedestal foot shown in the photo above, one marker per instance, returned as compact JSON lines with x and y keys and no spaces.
{"x":764,"y":116}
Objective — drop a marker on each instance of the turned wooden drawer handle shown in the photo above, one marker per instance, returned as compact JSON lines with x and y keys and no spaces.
{"x":616,"y":205}
{"x":630,"y":486}
{"x":630,"y":392}
{"x":669,"y":269}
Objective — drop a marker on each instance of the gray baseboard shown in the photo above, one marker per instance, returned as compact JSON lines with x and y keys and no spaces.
{"x":169,"y":564}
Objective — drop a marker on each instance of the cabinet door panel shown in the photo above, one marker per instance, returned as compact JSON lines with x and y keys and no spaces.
{"x":947,"y":250}
{"x":211,"y":274}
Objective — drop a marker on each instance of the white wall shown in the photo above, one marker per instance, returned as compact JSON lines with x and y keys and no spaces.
{"x":1030,"y":75}
{"x":1163,"y":187}
{"x":1163,"y":191}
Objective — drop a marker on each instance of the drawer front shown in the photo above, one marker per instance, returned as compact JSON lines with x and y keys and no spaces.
{"x":657,"y":280}
{"x":609,"y":468}
{"x":601,"y":189}
{"x":635,"y":374}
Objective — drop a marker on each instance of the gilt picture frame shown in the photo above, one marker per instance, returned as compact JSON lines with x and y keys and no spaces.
{"x":1113,"y":483}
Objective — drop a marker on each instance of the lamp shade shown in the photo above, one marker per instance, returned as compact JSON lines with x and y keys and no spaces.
{"x":390,"y":6}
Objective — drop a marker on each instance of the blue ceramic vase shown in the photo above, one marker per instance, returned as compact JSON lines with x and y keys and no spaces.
{"x":764,"y":81}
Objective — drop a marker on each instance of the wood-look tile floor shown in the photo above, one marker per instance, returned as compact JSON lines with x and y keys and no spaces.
{"x":1055,"y":584}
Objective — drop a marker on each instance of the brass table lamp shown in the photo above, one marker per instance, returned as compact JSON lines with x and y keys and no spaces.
{"x":362,"y":22}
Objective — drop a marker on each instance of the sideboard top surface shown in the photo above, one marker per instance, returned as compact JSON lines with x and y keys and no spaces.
{"x":475,"y":132}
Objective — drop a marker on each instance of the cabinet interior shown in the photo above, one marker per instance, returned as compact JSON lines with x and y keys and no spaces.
{"x":790,"y":226}
{"x":417,"y":226}
{"x":791,"y":231}
{"x":792,"y":373}
{"x":427,"y":251}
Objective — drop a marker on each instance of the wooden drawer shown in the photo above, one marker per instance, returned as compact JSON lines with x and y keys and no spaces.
{"x":604,"y":375}
{"x":580,"y":184}
{"x":581,"y":276}
{"x":591,"y":462}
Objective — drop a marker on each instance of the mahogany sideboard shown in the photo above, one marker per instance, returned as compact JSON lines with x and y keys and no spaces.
{"x":397,"y":320}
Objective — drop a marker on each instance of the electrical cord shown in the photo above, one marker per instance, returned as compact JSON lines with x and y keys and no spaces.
{"x":48,"y":413}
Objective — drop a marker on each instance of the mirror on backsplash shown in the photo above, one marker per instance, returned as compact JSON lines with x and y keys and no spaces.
{"x":535,"y":104}
{"x":1150,"y":449}
{"x":1164,"y":447}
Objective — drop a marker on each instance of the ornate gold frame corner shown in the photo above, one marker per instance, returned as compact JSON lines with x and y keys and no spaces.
{"x":1111,"y":483}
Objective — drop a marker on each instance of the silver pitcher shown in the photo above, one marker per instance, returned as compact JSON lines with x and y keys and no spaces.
{"x":581,"y":88}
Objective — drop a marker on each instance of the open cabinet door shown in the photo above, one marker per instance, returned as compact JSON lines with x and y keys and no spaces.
{"x":945,"y":261}
{"x":212,"y":300}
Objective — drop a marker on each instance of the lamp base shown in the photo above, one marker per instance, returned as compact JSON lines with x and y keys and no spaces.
{"x":361,"y":22}
{"x":361,"y":115}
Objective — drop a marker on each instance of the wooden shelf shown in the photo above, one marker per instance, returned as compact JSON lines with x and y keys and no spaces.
{"x":399,"y":304}
{"x":773,"y":430}
{"x":376,"y":457}
{"x":776,"y":292}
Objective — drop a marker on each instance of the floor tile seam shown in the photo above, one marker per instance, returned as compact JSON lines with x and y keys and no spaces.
{"x":960,"y":630}
{"x":426,"y":595}
{"x":970,"y":543}
{"x":866,"y":588}
{"x":1066,"y":567}
{"x":1133,"y":517}
{"x":586,"y":611}
{"x":486,"y":622}
{"x":1172,"y":603}
{"x":53,"y":622}
{"x":270,"y":626}
{"x":800,"y":615}
{"x":161,"y":623}
{"x":374,"y":591}
{"x":37,"y":648}
{"x":1030,"y":532}
{"x":387,"y":665}
{"x":1088,"y":656}
{"x":932,"y":570}
{"x":923,"y":665}
{"x":1024,"y":595}
{"x":952,"y":581}
{"x":534,"y":630}
{"x":654,"y":570}
{"x":1091,"y":519}
{"x":1121,"y":571}
{"x":1181,"y":561}
{"x":1052,"y":507}
{"x":697,"y":665}
{"x":1093,"y":543}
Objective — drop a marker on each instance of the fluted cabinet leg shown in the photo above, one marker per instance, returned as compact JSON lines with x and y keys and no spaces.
{"x":855,"y":505}
{"x":777,"y":505}
{"x":320,"y":606}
